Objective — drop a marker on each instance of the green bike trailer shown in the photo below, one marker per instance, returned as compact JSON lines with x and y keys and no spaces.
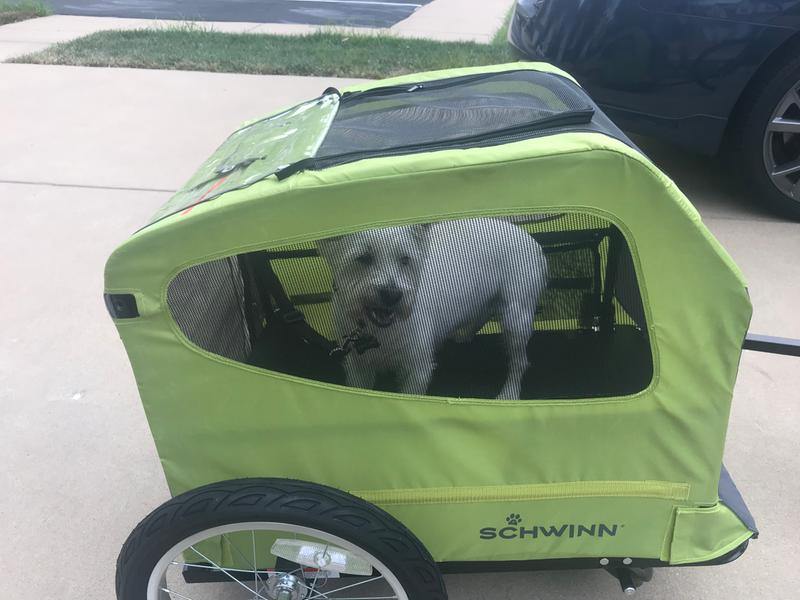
{"x":617,"y":317}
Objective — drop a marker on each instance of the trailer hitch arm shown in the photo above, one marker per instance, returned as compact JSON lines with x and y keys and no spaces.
{"x":772,"y":345}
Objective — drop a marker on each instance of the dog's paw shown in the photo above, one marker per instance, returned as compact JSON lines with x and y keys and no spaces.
{"x":508,"y":394}
{"x":513,"y":519}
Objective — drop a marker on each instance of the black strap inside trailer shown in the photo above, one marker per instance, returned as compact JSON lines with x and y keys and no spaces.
{"x":283,"y":309}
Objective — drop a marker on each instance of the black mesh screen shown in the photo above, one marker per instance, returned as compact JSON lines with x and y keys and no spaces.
{"x":538,"y":306}
{"x":433,"y":112}
{"x":207,"y":303}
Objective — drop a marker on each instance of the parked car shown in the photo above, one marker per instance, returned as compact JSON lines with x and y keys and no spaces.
{"x":717,"y":76}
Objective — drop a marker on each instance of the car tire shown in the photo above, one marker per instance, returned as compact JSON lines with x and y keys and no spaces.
{"x":274,"y":501}
{"x":762,"y":152}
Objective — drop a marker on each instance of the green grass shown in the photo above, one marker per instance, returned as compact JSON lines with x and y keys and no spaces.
{"x":11,"y":12}
{"x":501,"y":35}
{"x":323,"y":53}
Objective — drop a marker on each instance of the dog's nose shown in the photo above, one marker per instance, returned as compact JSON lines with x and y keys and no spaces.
{"x":390,"y":296}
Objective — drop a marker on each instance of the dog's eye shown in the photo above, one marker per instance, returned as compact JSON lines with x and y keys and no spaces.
{"x":365,"y":259}
{"x":405,"y":260}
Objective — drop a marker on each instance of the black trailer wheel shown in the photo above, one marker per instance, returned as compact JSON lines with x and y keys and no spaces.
{"x":273,"y":539}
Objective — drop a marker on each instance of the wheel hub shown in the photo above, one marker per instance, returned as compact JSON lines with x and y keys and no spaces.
{"x":285,"y":587}
{"x":782,"y":144}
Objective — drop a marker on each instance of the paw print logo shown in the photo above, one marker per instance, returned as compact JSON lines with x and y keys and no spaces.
{"x":513,"y":519}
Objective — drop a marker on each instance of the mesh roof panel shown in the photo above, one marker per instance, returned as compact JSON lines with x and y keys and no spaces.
{"x":448,"y":109}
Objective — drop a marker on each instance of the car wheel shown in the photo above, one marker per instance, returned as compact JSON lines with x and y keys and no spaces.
{"x":273,"y":539}
{"x":768,"y":147}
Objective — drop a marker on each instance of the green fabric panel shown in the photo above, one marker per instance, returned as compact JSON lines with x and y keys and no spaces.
{"x":632,"y":527}
{"x":213,"y":419}
{"x":540,"y":491}
{"x":703,"y":534}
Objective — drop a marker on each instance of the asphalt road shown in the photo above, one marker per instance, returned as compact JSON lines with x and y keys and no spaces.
{"x":355,"y":13}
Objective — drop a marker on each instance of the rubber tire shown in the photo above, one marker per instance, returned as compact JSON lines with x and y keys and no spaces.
{"x":749,"y":126}
{"x":277,"y":500}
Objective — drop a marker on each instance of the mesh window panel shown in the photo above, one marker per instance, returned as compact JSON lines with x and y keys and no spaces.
{"x":438,"y":111}
{"x":207,"y":303}
{"x":629,"y":307}
{"x":539,"y":306}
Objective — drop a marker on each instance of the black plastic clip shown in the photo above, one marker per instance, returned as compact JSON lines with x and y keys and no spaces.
{"x":121,"y":306}
{"x":358,"y":341}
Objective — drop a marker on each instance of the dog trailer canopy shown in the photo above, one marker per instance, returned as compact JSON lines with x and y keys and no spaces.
{"x":233,"y":305}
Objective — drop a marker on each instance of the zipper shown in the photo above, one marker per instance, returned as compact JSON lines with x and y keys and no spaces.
{"x":492,"y":138}
{"x":415,"y":87}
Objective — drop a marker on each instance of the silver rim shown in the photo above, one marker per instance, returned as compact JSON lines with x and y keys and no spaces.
{"x":782,"y":144}
{"x":244,"y":576}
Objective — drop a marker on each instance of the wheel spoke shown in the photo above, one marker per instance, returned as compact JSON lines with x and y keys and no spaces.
{"x":175,"y":594}
{"x":786,"y":168}
{"x":228,"y":573}
{"x":210,"y":568}
{"x":341,"y":589}
{"x":256,"y":576}
{"x":783,"y":125}
{"x":316,"y":574}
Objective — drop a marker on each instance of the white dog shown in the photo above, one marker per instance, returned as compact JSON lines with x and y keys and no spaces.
{"x":414,"y":287}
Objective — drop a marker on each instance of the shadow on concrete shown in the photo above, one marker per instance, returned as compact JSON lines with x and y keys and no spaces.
{"x":710,"y":183}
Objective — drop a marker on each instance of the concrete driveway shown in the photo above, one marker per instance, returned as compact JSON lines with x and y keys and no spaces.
{"x":86,"y":155}
{"x":351,"y":13}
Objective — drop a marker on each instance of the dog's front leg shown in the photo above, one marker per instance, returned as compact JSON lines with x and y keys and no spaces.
{"x":358,"y":372}
{"x":516,"y":334}
{"x":415,"y":376}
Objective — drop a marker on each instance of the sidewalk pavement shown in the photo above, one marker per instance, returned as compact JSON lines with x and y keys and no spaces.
{"x":456,"y":20}
{"x":86,"y":155}
{"x":443,"y":20}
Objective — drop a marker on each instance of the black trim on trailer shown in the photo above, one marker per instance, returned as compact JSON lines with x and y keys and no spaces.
{"x":771,"y":344}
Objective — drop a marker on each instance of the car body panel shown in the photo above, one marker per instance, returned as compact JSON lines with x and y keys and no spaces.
{"x":674,"y":68}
